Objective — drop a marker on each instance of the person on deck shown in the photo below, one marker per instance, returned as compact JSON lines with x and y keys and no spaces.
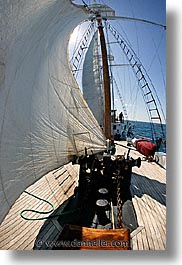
{"x":129,"y":131}
{"x":121,"y":117}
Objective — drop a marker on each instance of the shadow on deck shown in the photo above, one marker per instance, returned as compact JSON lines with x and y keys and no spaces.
{"x":141,"y":185}
{"x":48,"y":237}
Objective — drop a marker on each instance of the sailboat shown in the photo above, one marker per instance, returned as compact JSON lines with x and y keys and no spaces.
{"x":65,"y":182}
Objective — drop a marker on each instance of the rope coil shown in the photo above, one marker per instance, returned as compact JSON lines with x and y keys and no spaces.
{"x":43,"y":212}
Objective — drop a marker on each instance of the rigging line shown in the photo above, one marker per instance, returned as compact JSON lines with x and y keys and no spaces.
{"x":121,"y":99}
{"x":122,"y":30}
{"x":122,"y":92}
{"x":103,"y":2}
{"x":129,"y":84}
{"x":136,"y":29}
{"x":139,"y":20}
{"x":118,"y":91}
{"x":144,"y":69}
{"x":135,"y":100}
{"x":156,"y":51}
{"x":80,"y":54}
{"x":157,"y":54}
{"x":162,"y":111}
{"x":92,"y":11}
{"x":90,"y":25}
{"x":74,"y":48}
{"x":134,"y":96}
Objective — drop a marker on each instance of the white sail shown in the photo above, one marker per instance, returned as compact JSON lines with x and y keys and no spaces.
{"x":91,"y":81}
{"x":44,"y":119}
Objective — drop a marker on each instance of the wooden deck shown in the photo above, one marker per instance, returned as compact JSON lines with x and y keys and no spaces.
{"x":148,"y":189}
{"x":56,"y":187}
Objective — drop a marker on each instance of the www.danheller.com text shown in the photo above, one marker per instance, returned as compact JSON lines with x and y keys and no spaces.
{"x":82,"y":243}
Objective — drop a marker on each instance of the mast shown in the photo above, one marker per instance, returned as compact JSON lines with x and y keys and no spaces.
{"x":106,"y":79}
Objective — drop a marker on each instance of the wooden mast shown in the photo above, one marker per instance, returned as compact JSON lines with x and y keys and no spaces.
{"x":106,"y":79}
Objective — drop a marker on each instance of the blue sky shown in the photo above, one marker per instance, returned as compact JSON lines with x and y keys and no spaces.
{"x":149,"y":43}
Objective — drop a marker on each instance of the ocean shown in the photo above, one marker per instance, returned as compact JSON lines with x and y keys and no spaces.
{"x":144,"y":129}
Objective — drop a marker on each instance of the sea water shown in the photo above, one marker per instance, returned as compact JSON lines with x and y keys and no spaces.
{"x":144,"y":129}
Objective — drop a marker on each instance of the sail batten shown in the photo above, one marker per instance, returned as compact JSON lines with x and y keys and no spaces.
{"x":44,"y":119}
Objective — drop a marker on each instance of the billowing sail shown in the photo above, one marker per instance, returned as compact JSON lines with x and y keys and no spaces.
{"x":44,"y":119}
{"x":91,"y":81}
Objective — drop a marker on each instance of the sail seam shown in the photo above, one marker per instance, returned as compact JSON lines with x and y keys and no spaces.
{"x":75,"y":117}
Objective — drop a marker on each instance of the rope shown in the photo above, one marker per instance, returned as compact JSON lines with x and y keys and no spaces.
{"x":89,"y":9}
{"x":35,"y":211}
{"x":43,"y":212}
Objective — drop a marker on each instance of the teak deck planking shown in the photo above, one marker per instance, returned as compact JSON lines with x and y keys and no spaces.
{"x":148,"y":187}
